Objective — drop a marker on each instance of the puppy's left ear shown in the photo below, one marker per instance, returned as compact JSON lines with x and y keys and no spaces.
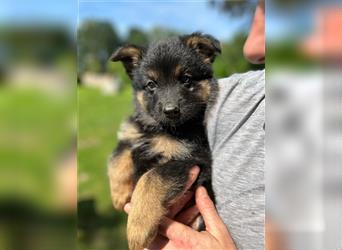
{"x":130,"y":56}
{"x":207,"y":46}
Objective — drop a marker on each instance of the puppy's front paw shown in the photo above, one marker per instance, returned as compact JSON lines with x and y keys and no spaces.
{"x":120,"y":173}
{"x":143,"y":223}
{"x":140,"y":236}
{"x":121,"y":194}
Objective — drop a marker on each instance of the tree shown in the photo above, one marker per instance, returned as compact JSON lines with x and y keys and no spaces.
{"x":96,"y":41}
{"x":158,"y":33}
{"x":235,"y":8}
{"x":232,"y":59}
{"x":137,"y":36}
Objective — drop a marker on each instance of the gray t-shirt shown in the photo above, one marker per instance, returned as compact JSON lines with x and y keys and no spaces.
{"x":236,"y":137}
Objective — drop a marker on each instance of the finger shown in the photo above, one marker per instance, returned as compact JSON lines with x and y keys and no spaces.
{"x":159,"y":242}
{"x":188,"y":216}
{"x":127,"y":208}
{"x":206,"y":207}
{"x":193,"y":174}
{"x":213,"y":223}
{"x":174,"y":230}
{"x":180,"y":203}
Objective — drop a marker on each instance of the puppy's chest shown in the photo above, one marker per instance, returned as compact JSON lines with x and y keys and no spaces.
{"x":155,"y":149}
{"x":161,"y":148}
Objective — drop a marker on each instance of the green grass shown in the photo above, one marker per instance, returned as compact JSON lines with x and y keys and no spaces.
{"x":34,"y":133}
{"x":99,"y":117}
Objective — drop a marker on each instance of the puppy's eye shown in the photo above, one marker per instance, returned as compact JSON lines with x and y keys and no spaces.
{"x":186,"y":81}
{"x":151,"y":86}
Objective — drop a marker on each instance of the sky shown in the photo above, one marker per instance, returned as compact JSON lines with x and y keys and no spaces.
{"x":186,"y":16}
{"x":39,"y":12}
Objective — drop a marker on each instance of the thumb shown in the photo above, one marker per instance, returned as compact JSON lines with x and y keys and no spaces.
{"x":206,"y":207}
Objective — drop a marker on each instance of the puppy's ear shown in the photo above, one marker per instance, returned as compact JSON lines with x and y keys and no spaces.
{"x":130,"y":56}
{"x":207,"y":46}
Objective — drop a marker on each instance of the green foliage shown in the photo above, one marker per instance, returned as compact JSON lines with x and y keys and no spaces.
{"x":96,"y":41}
{"x":117,"y":69}
{"x":99,"y":118}
{"x":142,"y":38}
{"x":100,"y":226}
{"x":158,"y":33}
{"x":235,"y":8}
{"x":137,"y":36}
{"x":232,"y":60}
{"x":33,"y":44}
{"x":287,"y":53}
{"x":34,"y":136}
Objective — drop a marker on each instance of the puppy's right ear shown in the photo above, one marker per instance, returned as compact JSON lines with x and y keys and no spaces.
{"x":130,"y":56}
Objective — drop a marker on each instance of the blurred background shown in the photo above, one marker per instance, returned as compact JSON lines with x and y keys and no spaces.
{"x":104,"y":91}
{"x":37,"y":125}
{"x":42,"y":81}
{"x":304,"y":118}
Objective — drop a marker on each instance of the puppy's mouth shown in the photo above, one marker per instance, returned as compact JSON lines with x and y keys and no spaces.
{"x":173,"y":116}
{"x":170,"y":120}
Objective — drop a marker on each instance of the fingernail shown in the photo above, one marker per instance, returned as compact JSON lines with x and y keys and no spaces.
{"x":127,"y":207}
{"x":194,"y":170}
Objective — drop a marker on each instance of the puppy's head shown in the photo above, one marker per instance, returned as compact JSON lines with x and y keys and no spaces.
{"x":173,"y":78}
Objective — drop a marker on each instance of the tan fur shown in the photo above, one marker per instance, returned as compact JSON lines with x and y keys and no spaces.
{"x":178,"y":70}
{"x":147,"y":210}
{"x":170,"y":147}
{"x":204,"y":91}
{"x":128,"y":131}
{"x":153,"y":74}
{"x":134,"y":53}
{"x":194,"y":41}
{"x":120,"y":171}
{"x":207,"y":60}
{"x":141,"y":100}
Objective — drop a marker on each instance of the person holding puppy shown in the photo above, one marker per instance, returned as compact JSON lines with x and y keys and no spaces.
{"x":236,"y":137}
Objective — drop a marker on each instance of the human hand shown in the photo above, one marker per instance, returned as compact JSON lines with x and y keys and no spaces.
{"x":180,"y":236}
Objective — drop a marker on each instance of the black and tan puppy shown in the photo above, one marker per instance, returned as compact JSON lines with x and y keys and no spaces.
{"x":173,"y":89}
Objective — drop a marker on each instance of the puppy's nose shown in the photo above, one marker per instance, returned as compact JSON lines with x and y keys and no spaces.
{"x":171,"y":109}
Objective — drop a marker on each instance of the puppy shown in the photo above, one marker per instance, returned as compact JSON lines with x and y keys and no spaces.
{"x":174,"y":88}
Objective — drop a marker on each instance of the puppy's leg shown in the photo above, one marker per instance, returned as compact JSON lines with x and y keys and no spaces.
{"x":155,"y":191}
{"x":120,"y":171}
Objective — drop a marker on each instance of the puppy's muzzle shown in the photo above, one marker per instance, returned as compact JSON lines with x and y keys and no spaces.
{"x":171,"y":110}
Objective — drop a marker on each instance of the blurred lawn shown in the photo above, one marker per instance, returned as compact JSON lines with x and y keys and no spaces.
{"x":99,"y":117}
{"x":34,"y":134}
